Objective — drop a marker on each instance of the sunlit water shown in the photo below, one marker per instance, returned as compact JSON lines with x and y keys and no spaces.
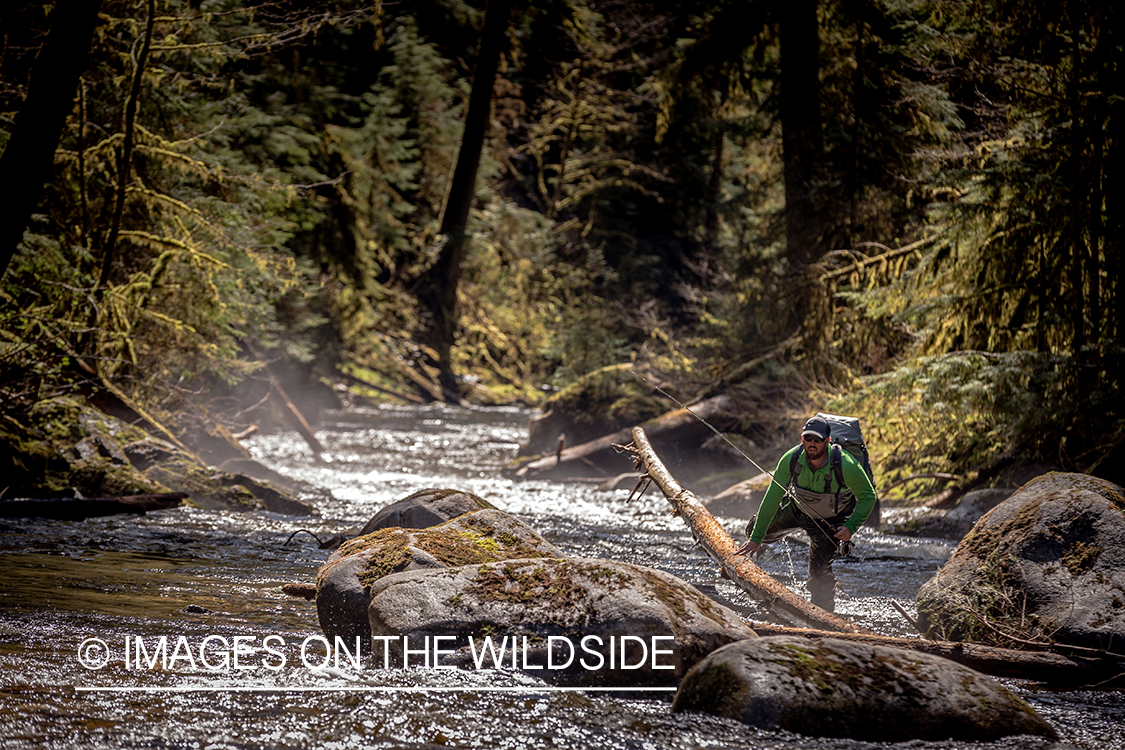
{"x":206,"y":574}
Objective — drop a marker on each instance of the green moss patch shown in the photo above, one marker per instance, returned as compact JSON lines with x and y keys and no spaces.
{"x":391,"y":550}
{"x":1081,"y":558}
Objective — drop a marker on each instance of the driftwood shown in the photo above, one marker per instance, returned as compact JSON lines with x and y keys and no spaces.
{"x":1085,"y":667}
{"x":306,"y":591}
{"x":599,"y":457}
{"x":741,"y":570}
{"x":78,"y":508}
{"x":296,"y":418}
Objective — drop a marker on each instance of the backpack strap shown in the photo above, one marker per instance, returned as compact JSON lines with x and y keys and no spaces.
{"x":794,"y":465}
{"x":836,"y":458}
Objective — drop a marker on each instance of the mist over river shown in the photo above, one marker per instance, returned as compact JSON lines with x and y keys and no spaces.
{"x":77,"y":597}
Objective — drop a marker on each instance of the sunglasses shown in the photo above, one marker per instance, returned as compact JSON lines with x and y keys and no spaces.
{"x":811,"y":439}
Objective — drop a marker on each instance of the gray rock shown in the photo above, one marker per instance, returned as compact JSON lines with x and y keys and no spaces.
{"x":425,"y":508}
{"x":953,"y":523}
{"x":741,"y":500}
{"x":1047,"y":563}
{"x":566,"y":621}
{"x":345,"y":579}
{"x":837,"y":688}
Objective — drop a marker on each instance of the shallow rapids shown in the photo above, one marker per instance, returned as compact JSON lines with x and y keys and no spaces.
{"x":189,"y":575}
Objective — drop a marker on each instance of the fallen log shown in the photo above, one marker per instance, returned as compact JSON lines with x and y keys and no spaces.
{"x":78,"y":508}
{"x":598,"y":457}
{"x":1092,"y":668}
{"x":741,"y":570}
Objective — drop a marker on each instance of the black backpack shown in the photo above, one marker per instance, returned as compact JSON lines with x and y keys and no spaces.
{"x":845,"y":434}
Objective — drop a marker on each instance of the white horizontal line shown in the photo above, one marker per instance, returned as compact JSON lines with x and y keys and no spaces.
{"x":368,"y":689}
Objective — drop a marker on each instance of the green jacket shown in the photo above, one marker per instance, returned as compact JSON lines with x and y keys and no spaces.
{"x":854,"y":477}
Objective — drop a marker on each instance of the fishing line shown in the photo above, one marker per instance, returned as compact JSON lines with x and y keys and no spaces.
{"x":788,"y":492}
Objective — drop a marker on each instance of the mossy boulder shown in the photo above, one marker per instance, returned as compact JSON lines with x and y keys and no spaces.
{"x":426,"y":508}
{"x":60,"y":446}
{"x":1047,"y":563}
{"x":598,"y":403}
{"x":63,"y":446}
{"x":344,"y":582}
{"x":836,"y":688}
{"x":572,"y":621}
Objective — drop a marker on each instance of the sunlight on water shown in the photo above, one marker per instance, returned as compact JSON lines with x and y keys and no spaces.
{"x":194,"y":573}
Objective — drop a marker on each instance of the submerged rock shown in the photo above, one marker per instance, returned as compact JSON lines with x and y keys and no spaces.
{"x":344,"y":582}
{"x":837,"y":688}
{"x":1048,"y":562}
{"x":569,"y":621}
{"x":426,"y":508}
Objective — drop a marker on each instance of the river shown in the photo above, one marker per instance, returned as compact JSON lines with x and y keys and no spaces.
{"x":208,"y":584}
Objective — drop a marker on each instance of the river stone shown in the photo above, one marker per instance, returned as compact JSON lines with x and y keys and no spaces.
{"x":835,"y":688}
{"x":542,"y":611}
{"x":426,"y":508}
{"x":1048,"y":562}
{"x":344,"y":581}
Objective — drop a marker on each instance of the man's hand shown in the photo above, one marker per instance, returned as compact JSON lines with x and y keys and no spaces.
{"x":842,"y":533}
{"x":748,"y":548}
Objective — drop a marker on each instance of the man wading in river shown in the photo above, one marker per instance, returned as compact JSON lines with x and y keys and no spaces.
{"x":815,"y":500}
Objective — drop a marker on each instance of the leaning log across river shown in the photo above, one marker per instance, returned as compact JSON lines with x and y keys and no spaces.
{"x":745,"y":574}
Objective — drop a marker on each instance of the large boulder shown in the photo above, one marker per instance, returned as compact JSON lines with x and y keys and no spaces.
{"x":836,"y":688}
{"x":426,"y":508}
{"x":573,"y":621}
{"x":1047,"y":563}
{"x":344,"y":582}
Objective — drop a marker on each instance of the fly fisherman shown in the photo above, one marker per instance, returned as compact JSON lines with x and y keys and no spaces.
{"x":814,"y":501}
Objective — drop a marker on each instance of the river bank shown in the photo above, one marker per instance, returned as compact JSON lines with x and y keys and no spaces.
{"x":195,"y":572}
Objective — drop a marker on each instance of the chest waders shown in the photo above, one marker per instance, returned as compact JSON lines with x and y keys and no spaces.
{"x":817,"y":514}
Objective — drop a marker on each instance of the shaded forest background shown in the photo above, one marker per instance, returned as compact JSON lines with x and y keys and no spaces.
{"x":901,"y":209}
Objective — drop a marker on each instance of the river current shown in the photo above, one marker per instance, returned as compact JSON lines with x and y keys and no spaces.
{"x":242,"y":666}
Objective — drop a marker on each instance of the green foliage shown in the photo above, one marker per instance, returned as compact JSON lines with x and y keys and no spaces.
{"x":291,"y":166}
{"x":525,"y":315}
{"x":961,"y":411}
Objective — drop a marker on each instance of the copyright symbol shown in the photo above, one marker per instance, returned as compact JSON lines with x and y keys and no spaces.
{"x":93,"y":653}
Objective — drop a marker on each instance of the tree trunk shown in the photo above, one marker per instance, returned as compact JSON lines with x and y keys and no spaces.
{"x":1092,"y":668}
{"x":27,"y":163}
{"x":79,"y":508}
{"x":741,"y":570}
{"x":125,"y":161}
{"x":714,"y":192}
{"x":438,"y":291}
{"x":800,"y":128}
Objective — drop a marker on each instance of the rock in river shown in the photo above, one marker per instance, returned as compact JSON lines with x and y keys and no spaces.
{"x":426,"y":508}
{"x":571,"y":621}
{"x":836,"y":688}
{"x":1048,"y":562}
{"x":344,"y":581}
